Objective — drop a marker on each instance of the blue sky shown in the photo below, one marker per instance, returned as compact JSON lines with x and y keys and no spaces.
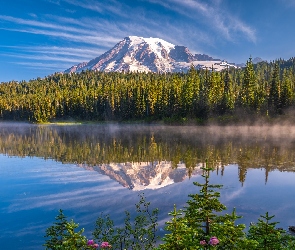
{"x":40,"y":37}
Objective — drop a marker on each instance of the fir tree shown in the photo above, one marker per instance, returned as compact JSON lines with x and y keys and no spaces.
{"x":247,"y":95}
{"x":274,"y":91}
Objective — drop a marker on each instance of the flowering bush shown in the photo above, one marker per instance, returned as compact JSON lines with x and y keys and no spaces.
{"x":105,"y":245}
{"x":92,"y":244}
{"x":213,"y":241}
{"x":203,"y":243}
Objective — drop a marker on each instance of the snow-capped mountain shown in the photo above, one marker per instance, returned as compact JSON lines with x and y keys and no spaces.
{"x":144,"y":175}
{"x":148,"y":55}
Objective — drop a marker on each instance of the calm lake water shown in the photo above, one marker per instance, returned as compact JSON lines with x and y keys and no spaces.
{"x":89,"y":169}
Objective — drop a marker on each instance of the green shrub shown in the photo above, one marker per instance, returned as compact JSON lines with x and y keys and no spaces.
{"x":139,"y":233}
{"x":200,"y":225}
{"x":62,"y":235}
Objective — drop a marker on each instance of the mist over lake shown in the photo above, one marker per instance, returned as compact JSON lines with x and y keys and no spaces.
{"x":89,"y":169}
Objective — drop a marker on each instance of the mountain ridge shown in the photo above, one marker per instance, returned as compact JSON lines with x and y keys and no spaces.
{"x":135,"y":53}
{"x":138,"y":176}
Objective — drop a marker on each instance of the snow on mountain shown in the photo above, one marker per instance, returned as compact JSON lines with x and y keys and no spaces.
{"x":139,"y":176}
{"x":135,"y":53}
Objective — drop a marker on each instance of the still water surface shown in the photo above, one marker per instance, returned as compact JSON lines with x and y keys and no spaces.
{"x":89,"y":169}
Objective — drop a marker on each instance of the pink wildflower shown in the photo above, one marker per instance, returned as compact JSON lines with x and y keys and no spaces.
{"x":105,"y":245}
{"x":213,"y":241}
{"x":95,"y":245}
{"x":203,"y":242}
{"x":90,"y":242}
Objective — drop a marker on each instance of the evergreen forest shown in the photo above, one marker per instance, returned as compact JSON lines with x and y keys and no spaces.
{"x":264,"y":90}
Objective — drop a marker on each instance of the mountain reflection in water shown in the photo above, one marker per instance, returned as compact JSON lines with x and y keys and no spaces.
{"x":143,"y":156}
{"x":138,"y":176}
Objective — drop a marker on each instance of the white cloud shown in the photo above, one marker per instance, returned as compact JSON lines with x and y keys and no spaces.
{"x":57,"y":67}
{"x":82,"y":197}
{"x":288,"y":3}
{"x":83,"y":35}
{"x":78,"y":53}
{"x":214,"y":16}
{"x":112,"y":6}
{"x":228,"y":196}
{"x":50,"y":57}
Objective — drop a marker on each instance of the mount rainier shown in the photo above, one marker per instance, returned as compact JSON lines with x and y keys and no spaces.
{"x":148,"y":55}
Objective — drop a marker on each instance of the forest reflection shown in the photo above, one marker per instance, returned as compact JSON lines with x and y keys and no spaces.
{"x":110,"y":149}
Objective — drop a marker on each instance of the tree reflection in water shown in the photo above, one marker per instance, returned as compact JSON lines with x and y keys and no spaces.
{"x":149,"y":153}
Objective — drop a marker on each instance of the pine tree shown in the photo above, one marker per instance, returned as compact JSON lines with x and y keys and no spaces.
{"x":274,"y":104}
{"x":267,"y":235}
{"x":247,"y":94}
{"x":287,"y":89}
{"x":228,"y":98}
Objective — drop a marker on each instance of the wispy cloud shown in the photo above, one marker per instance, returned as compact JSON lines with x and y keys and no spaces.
{"x":49,"y":57}
{"x":45,"y":58}
{"x":75,"y":198}
{"x":112,"y":6}
{"x":54,"y":67}
{"x":228,"y":196}
{"x":77,"y":52}
{"x":213,"y":14}
{"x":88,"y":36}
{"x":288,"y":3}
{"x":86,"y":39}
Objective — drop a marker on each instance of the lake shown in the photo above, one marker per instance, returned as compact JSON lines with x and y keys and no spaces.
{"x":89,"y":169}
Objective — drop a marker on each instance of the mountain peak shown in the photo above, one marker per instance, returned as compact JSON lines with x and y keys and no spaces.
{"x":150,"y":40}
{"x":141,"y":54}
{"x":156,"y":45}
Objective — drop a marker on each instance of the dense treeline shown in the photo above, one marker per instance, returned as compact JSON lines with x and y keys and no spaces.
{"x":266,"y":89}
